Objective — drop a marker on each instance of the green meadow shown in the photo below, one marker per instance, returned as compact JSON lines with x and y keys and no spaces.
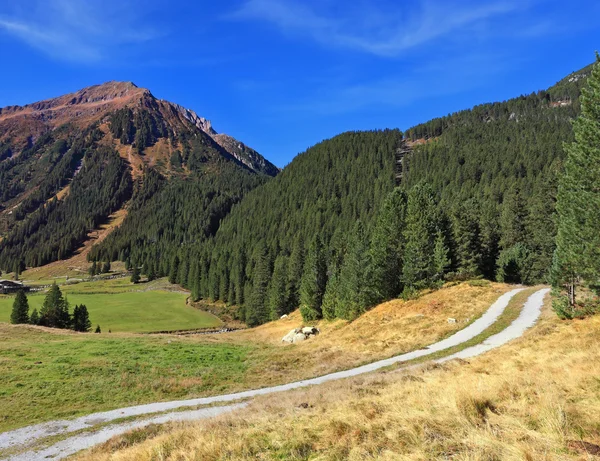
{"x":114,"y":306}
{"x":49,"y":375}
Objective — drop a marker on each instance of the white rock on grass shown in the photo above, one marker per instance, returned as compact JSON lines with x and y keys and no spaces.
{"x":300,"y":334}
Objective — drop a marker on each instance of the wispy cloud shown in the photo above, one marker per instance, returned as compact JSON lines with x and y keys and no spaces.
{"x":387,"y":31}
{"x":443,"y":77}
{"x":74,"y":30}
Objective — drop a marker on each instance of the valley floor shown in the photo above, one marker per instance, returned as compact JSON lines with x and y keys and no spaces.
{"x":534,"y":399}
{"x":50,"y":374}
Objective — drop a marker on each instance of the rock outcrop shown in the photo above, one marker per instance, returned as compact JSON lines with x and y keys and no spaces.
{"x":300,"y":334}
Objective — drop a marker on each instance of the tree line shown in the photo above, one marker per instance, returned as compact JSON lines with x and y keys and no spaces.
{"x":54,"y":312}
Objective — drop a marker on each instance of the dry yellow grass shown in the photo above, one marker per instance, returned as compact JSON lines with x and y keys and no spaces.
{"x":537,"y":398}
{"x":390,"y":329}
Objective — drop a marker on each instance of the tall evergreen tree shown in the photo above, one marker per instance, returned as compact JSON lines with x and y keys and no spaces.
{"x":441,"y":257}
{"x":332,"y":298}
{"x":422,"y":223}
{"x":35,"y":317}
{"x":578,"y":204}
{"x":313,"y":282}
{"x":295,"y":271}
{"x":387,"y":247}
{"x":467,"y":240}
{"x":278,"y":300}
{"x":81,"y":319}
{"x":355,"y":295}
{"x":257,"y":311}
{"x":55,"y":309}
{"x":135,"y":275}
{"x":20,"y":310}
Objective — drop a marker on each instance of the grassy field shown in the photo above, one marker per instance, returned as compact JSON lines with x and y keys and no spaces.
{"x":536,"y":398}
{"x":138,"y":312}
{"x":83,"y":373}
{"x":49,"y":374}
{"x":120,"y":306}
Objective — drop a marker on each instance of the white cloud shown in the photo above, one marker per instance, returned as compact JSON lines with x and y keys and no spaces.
{"x":385,"y":32}
{"x":74,"y":30}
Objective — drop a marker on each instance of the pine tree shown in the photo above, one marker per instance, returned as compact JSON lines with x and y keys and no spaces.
{"x":174,"y":270}
{"x":441,"y":258}
{"x":277,"y":290}
{"x":331,"y":299}
{"x":150,"y":273}
{"x":55,"y":309}
{"x":467,"y":240}
{"x":135,"y":275}
{"x":93,"y":269}
{"x":35,"y":317}
{"x":106,"y":267}
{"x":97,"y":330}
{"x":313,"y":282}
{"x":295,"y":271}
{"x":578,"y":203}
{"x":386,"y":249}
{"x":81,"y":319}
{"x":513,"y":219}
{"x":355,"y":296}
{"x":20,"y":310}
{"x":422,"y":225}
{"x":257,"y":311}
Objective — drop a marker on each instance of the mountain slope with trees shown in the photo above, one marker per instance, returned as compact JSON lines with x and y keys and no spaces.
{"x":477,"y":199}
{"x":67,"y":163}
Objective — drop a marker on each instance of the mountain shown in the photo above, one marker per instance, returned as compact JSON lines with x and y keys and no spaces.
{"x":477,"y":198}
{"x":78,"y":158}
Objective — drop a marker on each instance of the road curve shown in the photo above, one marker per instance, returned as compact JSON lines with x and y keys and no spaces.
{"x":29,"y":435}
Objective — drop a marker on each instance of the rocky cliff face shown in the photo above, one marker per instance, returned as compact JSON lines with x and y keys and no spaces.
{"x":237,"y":149}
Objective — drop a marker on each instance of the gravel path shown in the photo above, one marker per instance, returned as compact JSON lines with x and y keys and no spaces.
{"x":28,"y":435}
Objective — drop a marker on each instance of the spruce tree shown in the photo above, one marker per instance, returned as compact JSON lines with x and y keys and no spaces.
{"x":35,"y":317}
{"x":313,"y":282}
{"x":98,"y":329}
{"x":355,"y":296}
{"x":278,"y":300}
{"x":441,"y":258}
{"x":20,"y":310}
{"x":331,"y":299}
{"x":174,"y":270}
{"x":81,"y":319}
{"x":295,"y":271}
{"x":135,"y":275}
{"x":387,"y":246}
{"x":257,"y":310}
{"x":106,"y":267}
{"x":467,"y":240}
{"x":420,"y":232}
{"x":513,"y":219}
{"x":55,"y":309}
{"x":578,"y":203}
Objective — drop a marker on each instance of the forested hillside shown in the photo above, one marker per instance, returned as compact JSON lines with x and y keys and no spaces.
{"x":477,"y":200}
{"x":67,"y":163}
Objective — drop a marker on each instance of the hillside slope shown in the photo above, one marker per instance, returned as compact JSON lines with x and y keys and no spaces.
{"x":52,"y":151}
{"x":487,"y":187}
{"x":532,"y":399}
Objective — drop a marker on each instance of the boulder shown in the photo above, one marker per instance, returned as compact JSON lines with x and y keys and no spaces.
{"x":299,"y":337}
{"x":300,"y":334}
{"x":284,"y":316}
{"x":451,"y":320}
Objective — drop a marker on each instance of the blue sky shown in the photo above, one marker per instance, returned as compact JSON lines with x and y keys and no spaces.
{"x":281,"y":75}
